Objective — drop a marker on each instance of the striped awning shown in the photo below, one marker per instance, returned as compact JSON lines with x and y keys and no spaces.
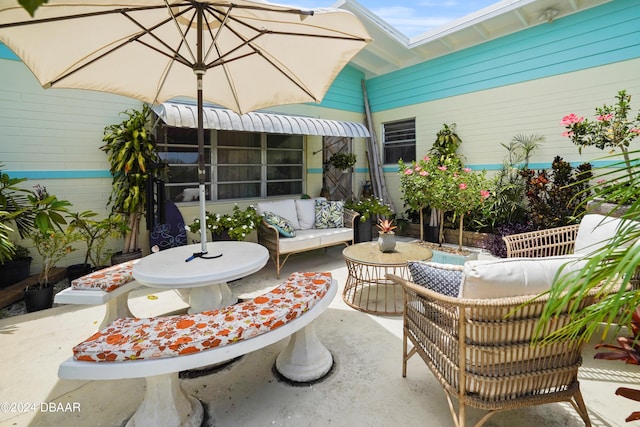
{"x":186,"y":115}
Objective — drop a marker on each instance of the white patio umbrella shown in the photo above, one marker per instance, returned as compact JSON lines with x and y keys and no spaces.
{"x":245,"y":55}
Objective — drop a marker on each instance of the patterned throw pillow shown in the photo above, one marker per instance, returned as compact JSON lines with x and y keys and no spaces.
{"x":283,"y":225}
{"x":432,"y":276}
{"x":329,"y":214}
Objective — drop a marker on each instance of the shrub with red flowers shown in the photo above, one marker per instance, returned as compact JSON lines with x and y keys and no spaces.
{"x":612,"y":128}
{"x":444,"y":184}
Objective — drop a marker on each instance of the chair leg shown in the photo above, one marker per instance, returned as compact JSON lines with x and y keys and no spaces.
{"x":581,"y":408}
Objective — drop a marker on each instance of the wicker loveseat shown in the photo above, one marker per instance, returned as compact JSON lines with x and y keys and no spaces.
{"x":479,"y":350}
{"x":312,"y":229}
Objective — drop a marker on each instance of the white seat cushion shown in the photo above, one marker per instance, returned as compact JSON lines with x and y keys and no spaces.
{"x":309,"y":239}
{"x":514,"y":276}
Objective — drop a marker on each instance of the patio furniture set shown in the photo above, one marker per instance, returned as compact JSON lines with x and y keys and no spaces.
{"x":466,"y":322}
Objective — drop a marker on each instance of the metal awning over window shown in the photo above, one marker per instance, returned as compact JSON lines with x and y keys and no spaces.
{"x":186,"y":115}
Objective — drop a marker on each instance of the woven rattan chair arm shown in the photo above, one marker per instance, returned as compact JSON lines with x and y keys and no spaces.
{"x":268,"y":236}
{"x":542,"y":243}
{"x":349,"y":217}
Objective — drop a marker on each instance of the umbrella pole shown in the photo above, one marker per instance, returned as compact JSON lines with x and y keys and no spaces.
{"x":201,"y":167}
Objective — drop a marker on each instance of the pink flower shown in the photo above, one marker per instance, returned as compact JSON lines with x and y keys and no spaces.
{"x":635,"y":130}
{"x":408,"y":171}
{"x":601,"y":181}
{"x":484,"y":193}
{"x":455,"y":174}
{"x":604,"y":117}
{"x":427,"y":158}
{"x":568,"y":134}
{"x":442,"y":168}
{"x":462,"y":186}
{"x":417,"y":168}
{"x":571,"y":119}
{"x":467,"y":169}
{"x":424,"y":173}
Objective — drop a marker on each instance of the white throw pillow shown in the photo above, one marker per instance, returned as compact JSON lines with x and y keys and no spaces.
{"x":306,"y":209}
{"x":514,"y":276}
{"x":284,"y":208}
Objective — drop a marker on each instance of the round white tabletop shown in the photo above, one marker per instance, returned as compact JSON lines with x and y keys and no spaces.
{"x":207,"y":277}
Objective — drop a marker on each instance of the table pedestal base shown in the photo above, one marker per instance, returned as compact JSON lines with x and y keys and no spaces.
{"x":305,"y":358}
{"x":210,"y":297}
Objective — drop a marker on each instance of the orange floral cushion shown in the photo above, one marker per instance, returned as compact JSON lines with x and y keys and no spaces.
{"x":108,"y":279}
{"x":169,"y":336}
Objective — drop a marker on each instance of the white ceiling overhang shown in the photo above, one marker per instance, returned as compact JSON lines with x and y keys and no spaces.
{"x":186,"y":116}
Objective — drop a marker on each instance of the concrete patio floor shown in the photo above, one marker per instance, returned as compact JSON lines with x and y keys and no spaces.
{"x":365,"y":388}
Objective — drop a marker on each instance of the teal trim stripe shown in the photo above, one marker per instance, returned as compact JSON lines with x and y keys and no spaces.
{"x":314,"y":171}
{"x":77,"y":174}
{"x":598,"y":36}
{"x":6,"y":53}
{"x":345,"y":92}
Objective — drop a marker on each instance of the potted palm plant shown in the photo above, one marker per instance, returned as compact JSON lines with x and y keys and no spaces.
{"x":15,"y":261}
{"x":131,"y":152}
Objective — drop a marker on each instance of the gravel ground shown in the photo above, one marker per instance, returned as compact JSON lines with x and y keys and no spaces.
{"x":18,"y":308}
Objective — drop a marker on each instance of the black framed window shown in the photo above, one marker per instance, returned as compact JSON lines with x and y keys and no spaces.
{"x":399,"y":141}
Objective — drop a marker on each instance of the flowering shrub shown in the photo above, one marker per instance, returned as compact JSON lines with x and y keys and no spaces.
{"x":368,"y":207}
{"x":611,"y":128}
{"x":238,"y":224}
{"x":445,"y":185}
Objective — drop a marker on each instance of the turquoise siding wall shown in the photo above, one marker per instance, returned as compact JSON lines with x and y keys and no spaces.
{"x":598,"y":36}
{"x":346,"y":91}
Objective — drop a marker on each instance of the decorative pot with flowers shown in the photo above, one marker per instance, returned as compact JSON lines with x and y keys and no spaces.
{"x":238,"y":224}
{"x":386,"y":235}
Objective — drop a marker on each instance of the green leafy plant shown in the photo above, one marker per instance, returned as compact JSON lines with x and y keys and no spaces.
{"x":343,"y":161}
{"x":51,"y":237}
{"x":369,"y":207}
{"x":555,"y":197}
{"x":239,"y":223}
{"x":612,"y":128}
{"x":96,"y":233}
{"x":131,"y":152}
{"x":443,"y":184}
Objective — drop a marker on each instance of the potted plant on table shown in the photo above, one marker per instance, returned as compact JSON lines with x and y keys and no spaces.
{"x":132,"y":153}
{"x":386,"y":237}
{"x":237,"y":225}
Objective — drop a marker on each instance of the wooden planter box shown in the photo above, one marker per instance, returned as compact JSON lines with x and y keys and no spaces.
{"x":471,"y":239}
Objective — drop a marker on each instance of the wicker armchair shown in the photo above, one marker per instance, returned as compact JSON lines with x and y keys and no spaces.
{"x":482,"y":356}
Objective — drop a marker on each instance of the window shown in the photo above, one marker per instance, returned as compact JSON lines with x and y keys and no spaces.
{"x":399,"y":141}
{"x":238,"y":165}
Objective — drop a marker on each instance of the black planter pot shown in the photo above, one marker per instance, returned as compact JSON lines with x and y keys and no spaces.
{"x":431,"y":234}
{"x":75,"y":271}
{"x":36,"y":299}
{"x":363,"y":231}
{"x":120,"y":257}
{"x":14,"y":271}
{"x":222,"y":236}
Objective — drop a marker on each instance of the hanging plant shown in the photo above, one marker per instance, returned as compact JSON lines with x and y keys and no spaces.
{"x":343,"y":161}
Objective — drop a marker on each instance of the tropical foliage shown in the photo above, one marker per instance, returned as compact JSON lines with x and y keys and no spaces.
{"x":238,"y":224}
{"x":369,"y":207}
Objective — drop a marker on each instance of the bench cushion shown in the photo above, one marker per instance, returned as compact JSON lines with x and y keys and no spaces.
{"x":315,"y":238}
{"x":160,"y":337}
{"x":108,"y":279}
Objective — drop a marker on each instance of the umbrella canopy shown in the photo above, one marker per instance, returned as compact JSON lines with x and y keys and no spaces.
{"x":245,"y":55}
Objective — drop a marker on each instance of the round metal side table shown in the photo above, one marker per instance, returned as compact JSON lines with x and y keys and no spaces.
{"x":366,"y":288}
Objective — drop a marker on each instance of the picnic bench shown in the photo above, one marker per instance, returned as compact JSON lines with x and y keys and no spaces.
{"x":110,"y":286}
{"x":159,"y":348}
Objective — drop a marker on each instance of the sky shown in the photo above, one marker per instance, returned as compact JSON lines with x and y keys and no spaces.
{"x":410,"y":17}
